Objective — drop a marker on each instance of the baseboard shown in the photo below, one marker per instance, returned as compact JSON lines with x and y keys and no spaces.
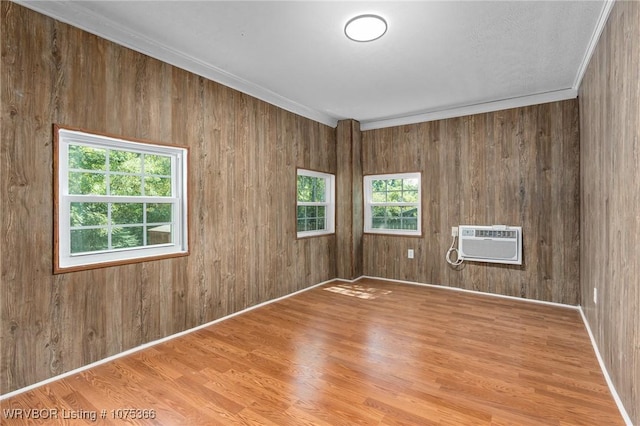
{"x":612,"y":388}
{"x":482,"y":293}
{"x":156,"y":342}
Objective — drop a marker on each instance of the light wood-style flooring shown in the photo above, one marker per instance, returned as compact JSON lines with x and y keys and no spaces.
{"x":385,"y":354}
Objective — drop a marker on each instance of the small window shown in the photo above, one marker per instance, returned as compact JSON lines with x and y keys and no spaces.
{"x":316,"y":203}
{"x":392,"y":204}
{"x":117,"y":201}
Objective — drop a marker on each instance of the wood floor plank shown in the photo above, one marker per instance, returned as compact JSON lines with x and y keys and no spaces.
{"x":400,"y":355}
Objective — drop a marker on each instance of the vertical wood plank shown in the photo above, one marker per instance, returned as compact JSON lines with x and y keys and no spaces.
{"x":508,"y":167}
{"x":610,"y":200}
{"x":243,"y":156}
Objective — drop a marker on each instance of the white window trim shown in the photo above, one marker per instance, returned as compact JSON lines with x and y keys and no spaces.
{"x":330,"y":204}
{"x":369,"y":204}
{"x":64,"y":261}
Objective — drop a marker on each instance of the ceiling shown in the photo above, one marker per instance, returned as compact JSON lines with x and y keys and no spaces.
{"x":438,"y":59}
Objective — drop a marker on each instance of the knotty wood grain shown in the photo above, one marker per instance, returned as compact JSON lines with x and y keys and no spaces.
{"x":243,"y":155}
{"x":513,"y":167}
{"x":413,"y":355}
{"x":610,"y":178}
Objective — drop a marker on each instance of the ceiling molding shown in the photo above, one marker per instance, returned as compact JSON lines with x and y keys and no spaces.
{"x":73,"y":13}
{"x":541,"y":98}
{"x":602,"y":21}
{"x":112,"y":31}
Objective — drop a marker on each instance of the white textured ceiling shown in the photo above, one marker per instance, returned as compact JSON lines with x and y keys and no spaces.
{"x":437,"y":59}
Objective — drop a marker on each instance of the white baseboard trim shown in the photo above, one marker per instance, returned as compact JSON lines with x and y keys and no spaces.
{"x":481,"y":293}
{"x":155,"y":342}
{"x":615,"y":395}
{"x":612,"y":389}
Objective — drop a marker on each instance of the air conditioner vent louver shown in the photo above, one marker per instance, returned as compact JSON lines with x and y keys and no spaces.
{"x":495,"y":244}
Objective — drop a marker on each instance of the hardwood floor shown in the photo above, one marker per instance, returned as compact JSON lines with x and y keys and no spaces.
{"x":385,"y":354}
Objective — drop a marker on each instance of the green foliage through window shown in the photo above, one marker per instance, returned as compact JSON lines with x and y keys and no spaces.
{"x":314,"y":209}
{"x":393,"y":203}
{"x":97,"y":226}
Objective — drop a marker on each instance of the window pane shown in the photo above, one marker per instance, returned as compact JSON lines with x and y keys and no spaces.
{"x":126,"y":213}
{"x":319,"y":190}
{"x":122,"y":237}
{"x":394,"y":196}
{"x":157,"y":186}
{"x":411,"y":224}
{"x":409,"y":212}
{"x":88,"y":214}
{"x":394,"y":211}
{"x":378,"y":211}
{"x":83,"y":240}
{"x":305,"y":189}
{"x":410,"y":196}
{"x":125,"y":161}
{"x":312,"y":189}
{"x":379,"y":185}
{"x":379,"y":197}
{"x":87,"y":158}
{"x":125,"y":185}
{"x":158,"y":213}
{"x":87,"y":184}
{"x":159,"y":235}
{"x":411,"y":184}
{"x":379,"y":222}
{"x":394,"y":184}
{"x":311,"y":211}
{"x":157,"y":165}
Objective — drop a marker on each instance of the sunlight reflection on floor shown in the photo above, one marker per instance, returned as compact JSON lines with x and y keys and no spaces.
{"x":358,"y":291}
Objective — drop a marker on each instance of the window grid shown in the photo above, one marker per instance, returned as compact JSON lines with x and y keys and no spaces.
{"x":144,"y":215}
{"x":393,"y":204}
{"x":315,"y":203}
{"x":111,"y":227}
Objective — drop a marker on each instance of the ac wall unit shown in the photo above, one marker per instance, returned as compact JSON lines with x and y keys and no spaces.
{"x":495,"y":244}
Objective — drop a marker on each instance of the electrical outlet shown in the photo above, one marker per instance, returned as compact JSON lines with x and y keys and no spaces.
{"x":595,"y":295}
{"x":410,"y":254}
{"x":454,"y":231}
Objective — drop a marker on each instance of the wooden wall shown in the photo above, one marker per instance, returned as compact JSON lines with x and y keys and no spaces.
{"x":512,"y":167}
{"x":349,"y":201}
{"x":610,"y":189}
{"x":244,"y":155}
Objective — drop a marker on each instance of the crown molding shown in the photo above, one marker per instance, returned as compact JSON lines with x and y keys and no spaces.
{"x":74,"y":14}
{"x":593,"y":42}
{"x":480,"y":108}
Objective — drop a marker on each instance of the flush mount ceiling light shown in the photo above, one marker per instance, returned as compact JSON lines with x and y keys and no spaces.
{"x":365,"y":28}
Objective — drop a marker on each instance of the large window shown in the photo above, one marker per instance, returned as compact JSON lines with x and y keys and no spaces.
{"x":117,"y":201}
{"x":392,"y":204}
{"x":316,"y":203}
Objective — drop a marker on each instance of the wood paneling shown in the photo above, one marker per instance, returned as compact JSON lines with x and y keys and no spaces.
{"x":243,"y":155}
{"x":610,"y":193}
{"x":318,"y":358}
{"x":512,"y":167}
{"x":349,"y":204}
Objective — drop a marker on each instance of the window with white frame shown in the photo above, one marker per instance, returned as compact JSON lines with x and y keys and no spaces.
{"x":316,"y":203}
{"x":117,"y":201}
{"x":392,"y":204}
